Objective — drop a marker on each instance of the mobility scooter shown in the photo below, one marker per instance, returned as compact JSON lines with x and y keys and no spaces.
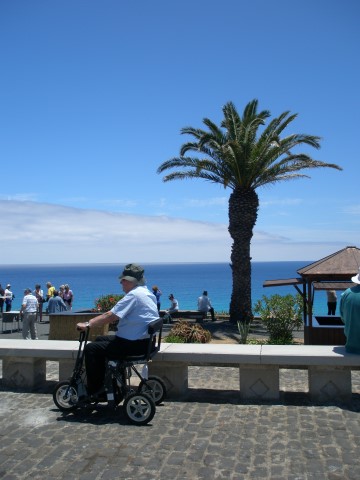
{"x":139,"y":401}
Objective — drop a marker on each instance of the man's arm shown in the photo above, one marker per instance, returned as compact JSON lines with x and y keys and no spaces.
{"x":107,"y":317}
{"x":22,"y":308}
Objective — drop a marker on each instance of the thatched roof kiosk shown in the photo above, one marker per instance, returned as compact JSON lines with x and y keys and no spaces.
{"x":333,"y":272}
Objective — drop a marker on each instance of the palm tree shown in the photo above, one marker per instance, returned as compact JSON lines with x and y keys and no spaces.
{"x":243,"y":159}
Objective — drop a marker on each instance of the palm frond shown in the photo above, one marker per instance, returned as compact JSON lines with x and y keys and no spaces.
{"x":237,"y":154}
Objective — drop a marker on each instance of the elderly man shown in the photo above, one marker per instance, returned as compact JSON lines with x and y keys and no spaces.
{"x":29,"y":310}
{"x":134,"y":311}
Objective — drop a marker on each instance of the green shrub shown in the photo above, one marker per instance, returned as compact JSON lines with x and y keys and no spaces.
{"x":173,"y":339}
{"x":256,"y":341}
{"x":281,"y":315}
{"x":244,"y":329}
{"x":107,"y":302}
{"x":190,"y":332}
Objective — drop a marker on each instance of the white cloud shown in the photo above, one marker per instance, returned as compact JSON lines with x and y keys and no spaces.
{"x":207,"y":202}
{"x":283,"y":202}
{"x":352,"y":210}
{"x":20,"y":197}
{"x":45,"y":233}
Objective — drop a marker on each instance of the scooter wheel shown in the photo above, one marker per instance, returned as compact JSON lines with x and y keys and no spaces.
{"x":65,"y":396}
{"x":139,"y":408}
{"x":154,"y":387}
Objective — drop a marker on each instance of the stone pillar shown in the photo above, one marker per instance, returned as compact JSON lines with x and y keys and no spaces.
{"x":24,"y":372}
{"x":327,"y":383}
{"x":66,"y":367}
{"x":259,"y":382}
{"x":175,"y":376}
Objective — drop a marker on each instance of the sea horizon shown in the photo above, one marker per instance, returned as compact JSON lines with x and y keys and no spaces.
{"x":145,"y":263}
{"x":186,"y":280}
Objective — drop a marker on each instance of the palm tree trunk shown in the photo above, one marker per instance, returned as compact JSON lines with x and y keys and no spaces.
{"x":243,"y":207}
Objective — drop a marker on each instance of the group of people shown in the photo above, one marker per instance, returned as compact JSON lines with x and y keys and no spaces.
{"x":174,"y":304}
{"x":32,"y":305}
{"x":203,"y":304}
{"x":60,"y":299}
{"x":57,"y":300}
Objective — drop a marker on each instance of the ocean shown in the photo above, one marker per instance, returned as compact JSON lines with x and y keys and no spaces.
{"x":185,"y":280}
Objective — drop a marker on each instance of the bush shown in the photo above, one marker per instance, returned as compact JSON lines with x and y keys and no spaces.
{"x":107,"y":302}
{"x":189,"y":333}
{"x":174,"y":339}
{"x":281,"y":315}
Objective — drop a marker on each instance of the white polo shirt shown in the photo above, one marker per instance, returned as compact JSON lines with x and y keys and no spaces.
{"x":30,"y":302}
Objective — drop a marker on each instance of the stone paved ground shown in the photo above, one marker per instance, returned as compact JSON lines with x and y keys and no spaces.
{"x":208,"y":435}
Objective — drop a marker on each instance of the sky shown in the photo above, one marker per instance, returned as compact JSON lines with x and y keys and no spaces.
{"x":94,"y":94}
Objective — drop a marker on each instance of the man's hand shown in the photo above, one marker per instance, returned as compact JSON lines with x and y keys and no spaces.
{"x":82,"y":326}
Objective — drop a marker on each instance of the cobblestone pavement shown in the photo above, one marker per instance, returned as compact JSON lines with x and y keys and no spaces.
{"x":208,"y":435}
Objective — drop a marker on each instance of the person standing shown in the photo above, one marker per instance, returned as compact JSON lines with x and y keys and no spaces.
{"x":29,"y":311}
{"x":68,"y":297}
{"x":2,"y":298}
{"x":9,"y":297}
{"x":50,"y":291}
{"x":331,"y":301}
{"x":56,"y":304}
{"x":204,"y":305}
{"x":350,"y":315}
{"x":39,"y":294}
{"x":157,"y":292}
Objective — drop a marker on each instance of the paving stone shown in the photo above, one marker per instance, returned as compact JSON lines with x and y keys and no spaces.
{"x":208,"y":435}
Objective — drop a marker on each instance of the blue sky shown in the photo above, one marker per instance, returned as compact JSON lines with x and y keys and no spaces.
{"x":93,"y":95}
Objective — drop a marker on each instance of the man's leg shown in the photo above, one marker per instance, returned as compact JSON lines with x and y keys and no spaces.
{"x":111,"y":347}
{"x":95,"y":355}
{"x":32,"y":326}
{"x":26,"y":327}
